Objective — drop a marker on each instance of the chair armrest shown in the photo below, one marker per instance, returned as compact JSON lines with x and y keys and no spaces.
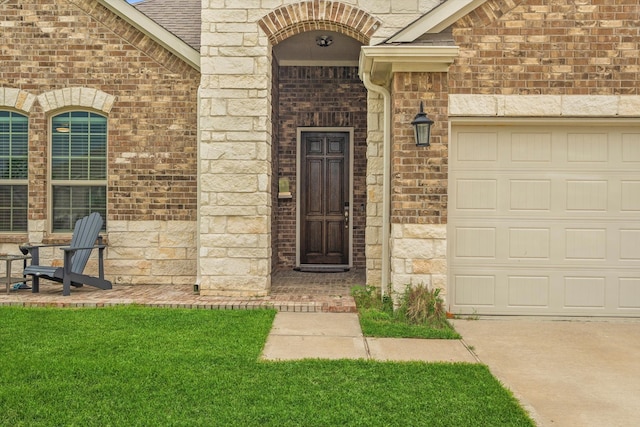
{"x":69,"y":249}
{"x":25,"y":248}
{"x":34,"y":251}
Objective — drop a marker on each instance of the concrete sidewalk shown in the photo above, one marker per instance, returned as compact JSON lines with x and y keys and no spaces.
{"x":338,"y":336}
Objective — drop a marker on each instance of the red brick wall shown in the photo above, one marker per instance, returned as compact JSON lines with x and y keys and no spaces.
{"x":319,"y":97}
{"x":152,"y":145}
{"x":419,"y":174}
{"x":549,"y":47}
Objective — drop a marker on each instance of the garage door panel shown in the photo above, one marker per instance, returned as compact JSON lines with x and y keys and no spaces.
{"x":545,"y":195}
{"x":630,"y":196}
{"x":476,"y":242}
{"x":629,"y":245}
{"x":555,"y":243}
{"x":588,"y":147}
{"x":477,"y":194}
{"x":475,"y":290}
{"x":530,"y":243}
{"x":530,"y":195}
{"x":629,"y":292}
{"x":584,"y":292}
{"x":558,"y":292}
{"x":631,"y":147}
{"x":587,"y":195}
{"x":531,"y":147}
{"x":545,"y":220}
{"x":528,"y":291}
{"x":477,"y":146}
{"x":585,"y":244}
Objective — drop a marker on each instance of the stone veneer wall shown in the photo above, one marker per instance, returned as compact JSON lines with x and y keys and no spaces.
{"x":61,"y":55}
{"x":236,"y":163}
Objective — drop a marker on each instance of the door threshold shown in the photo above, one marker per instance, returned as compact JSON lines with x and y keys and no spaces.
{"x":322,"y":268}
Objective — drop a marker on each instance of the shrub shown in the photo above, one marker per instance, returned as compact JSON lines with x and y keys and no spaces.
{"x":420,"y":305}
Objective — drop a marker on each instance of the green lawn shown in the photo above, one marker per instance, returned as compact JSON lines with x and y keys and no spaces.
{"x":133,"y":366}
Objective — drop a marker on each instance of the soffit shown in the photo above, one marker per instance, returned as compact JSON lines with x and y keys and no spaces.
{"x":380,"y":62}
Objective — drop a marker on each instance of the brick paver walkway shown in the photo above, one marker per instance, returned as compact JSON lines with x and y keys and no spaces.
{"x":290,"y":291}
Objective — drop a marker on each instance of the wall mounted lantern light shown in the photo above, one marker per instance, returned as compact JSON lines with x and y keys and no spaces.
{"x":422,"y":128}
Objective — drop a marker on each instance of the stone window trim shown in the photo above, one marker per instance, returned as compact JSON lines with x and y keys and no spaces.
{"x":77,"y":97}
{"x":292,"y":19}
{"x":17,"y":99}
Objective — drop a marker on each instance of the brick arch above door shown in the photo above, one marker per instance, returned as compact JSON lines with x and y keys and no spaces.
{"x":292,"y":19}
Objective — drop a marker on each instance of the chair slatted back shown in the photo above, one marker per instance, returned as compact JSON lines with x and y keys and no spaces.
{"x":85,"y":234}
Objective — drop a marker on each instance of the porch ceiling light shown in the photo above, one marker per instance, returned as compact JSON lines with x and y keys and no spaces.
{"x":422,"y":127}
{"x":324,"y":41}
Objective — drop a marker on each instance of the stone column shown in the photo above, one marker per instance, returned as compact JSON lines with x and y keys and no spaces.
{"x":234,"y":249}
{"x":375,"y":162}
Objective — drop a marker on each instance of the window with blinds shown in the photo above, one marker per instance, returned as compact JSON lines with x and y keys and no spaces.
{"x":14,"y":159}
{"x":78,"y":167}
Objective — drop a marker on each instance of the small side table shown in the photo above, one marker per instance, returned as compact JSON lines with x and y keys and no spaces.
{"x":13,"y":280}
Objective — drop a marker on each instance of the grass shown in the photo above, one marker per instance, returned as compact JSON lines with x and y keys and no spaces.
{"x":418,"y":316}
{"x":134,"y":366}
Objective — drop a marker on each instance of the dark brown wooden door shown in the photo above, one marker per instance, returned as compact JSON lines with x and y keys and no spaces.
{"x":324,"y":230}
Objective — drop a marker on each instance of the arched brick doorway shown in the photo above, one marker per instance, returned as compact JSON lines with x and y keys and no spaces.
{"x":317,"y":97}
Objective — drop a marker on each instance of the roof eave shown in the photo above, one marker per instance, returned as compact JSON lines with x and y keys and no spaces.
{"x":155,"y":31}
{"x":436,"y":20}
{"x":381,"y":61}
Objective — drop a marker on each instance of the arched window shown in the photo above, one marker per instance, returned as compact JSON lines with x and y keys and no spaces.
{"x":14,"y":158}
{"x":78,"y":167}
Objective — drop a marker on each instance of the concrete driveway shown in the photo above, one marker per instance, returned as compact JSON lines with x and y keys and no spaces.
{"x":565,"y":372}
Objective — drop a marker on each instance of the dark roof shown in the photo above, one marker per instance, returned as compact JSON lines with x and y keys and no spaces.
{"x":180,"y":17}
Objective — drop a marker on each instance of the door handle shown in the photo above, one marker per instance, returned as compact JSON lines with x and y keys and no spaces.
{"x":346,"y":216}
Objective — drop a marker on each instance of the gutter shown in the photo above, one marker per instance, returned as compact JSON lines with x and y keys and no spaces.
{"x":197,"y":285}
{"x":386,"y":177}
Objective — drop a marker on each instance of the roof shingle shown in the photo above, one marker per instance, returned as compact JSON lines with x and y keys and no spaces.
{"x":182,"y":18}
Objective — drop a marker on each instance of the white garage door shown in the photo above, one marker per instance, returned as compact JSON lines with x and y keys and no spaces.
{"x":544,"y":219}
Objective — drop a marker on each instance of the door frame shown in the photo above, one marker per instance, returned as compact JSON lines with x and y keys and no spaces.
{"x":299,"y":192}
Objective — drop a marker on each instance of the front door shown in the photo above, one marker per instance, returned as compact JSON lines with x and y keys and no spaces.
{"x":324,"y":198}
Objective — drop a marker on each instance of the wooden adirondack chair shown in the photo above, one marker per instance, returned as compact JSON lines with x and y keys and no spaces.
{"x":85,"y":235}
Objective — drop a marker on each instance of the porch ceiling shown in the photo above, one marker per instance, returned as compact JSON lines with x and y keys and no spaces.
{"x":303,"y":49}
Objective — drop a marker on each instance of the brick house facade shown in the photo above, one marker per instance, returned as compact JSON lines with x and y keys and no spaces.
{"x":61,"y":56}
{"x":532,"y":168}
